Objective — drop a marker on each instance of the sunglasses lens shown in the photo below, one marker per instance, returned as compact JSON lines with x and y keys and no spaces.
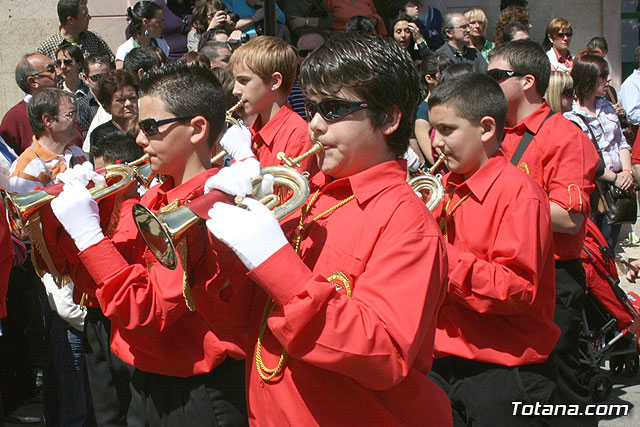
{"x":149,"y":127}
{"x":334,"y":110}
{"x":311,"y":108}
{"x":497,"y":74}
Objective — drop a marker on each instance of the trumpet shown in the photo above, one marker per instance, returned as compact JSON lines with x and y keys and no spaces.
{"x":429,"y":185}
{"x":232,"y":121}
{"x":21,"y":206}
{"x":142,"y":171}
{"x":161,"y":231}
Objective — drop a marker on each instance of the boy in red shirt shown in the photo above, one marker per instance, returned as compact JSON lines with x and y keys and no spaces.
{"x":495,"y":329}
{"x":264,"y":70}
{"x":343,"y":319}
{"x":185,"y":374}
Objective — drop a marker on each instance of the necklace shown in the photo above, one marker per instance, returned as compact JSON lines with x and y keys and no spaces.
{"x":267,"y":374}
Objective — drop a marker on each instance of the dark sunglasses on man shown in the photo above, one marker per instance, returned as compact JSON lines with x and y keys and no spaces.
{"x":96,"y":77}
{"x":500,"y":75}
{"x":150,"y":126}
{"x":333,"y":109}
{"x":68,"y":62}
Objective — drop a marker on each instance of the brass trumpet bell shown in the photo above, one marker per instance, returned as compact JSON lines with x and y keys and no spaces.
{"x":21,"y":206}
{"x":162,"y":230}
{"x":429,"y":186}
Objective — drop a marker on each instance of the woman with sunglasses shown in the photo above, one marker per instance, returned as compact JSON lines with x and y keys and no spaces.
{"x":146,"y":21}
{"x":118,"y":95}
{"x":560,"y":93}
{"x":69,"y":60}
{"x":598,"y":118}
{"x":556,"y":42}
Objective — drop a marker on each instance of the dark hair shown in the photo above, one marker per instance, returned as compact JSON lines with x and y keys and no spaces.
{"x":506,"y":3}
{"x":455,"y":70}
{"x":68,"y":8}
{"x":509,"y":15}
{"x":400,"y":16}
{"x":227,"y":82}
{"x":141,"y":57}
{"x":116,"y":146}
{"x":488,"y":99}
{"x":73,"y":51}
{"x":376,"y":70}
{"x":433,"y":64}
{"x":97,"y":59}
{"x":555,"y":26}
{"x":308,"y":30}
{"x":195,"y":57}
{"x":511,"y":29}
{"x":24,"y":69}
{"x":114,"y":81}
{"x":141,"y":10}
{"x":45,"y":102}
{"x":526,"y":56}
{"x":187,"y":90}
{"x":360,"y":24}
{"x":585,"y":72}
{"x":199,"y":19}
{"x":211,"y":48}
{"x":598,"y":43}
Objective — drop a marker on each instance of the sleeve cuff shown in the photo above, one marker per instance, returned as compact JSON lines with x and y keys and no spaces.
{"x":102,"y":260}
{"x":282,"y":275}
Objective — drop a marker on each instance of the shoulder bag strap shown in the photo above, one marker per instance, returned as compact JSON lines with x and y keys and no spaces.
{"x":525,"y":141}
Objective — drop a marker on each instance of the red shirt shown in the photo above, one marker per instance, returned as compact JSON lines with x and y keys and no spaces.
{"x":563,"y":160}
{"x":635,"y":150}
{"x":286,"y":132}
{"x":359,"y":360}
{"x":152,"y":327}
{"x":15,"y":128}
{"x":501,"y":298}
{"x":6,"y":260}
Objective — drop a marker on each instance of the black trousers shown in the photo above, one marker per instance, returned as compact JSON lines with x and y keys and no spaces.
{"x":213,"y":399}
{"x":482,"y":394}
{"x":571,"y":285}
{"x":109,"y":377}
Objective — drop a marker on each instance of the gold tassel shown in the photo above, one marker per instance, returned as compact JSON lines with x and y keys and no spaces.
{"x":38,"y":243}
{"x":182,"y":250}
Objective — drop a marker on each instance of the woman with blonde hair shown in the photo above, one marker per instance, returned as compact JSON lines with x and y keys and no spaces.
{"x":556,"y":42}
{"x":478,"y":22}
{"x":560,"y":92}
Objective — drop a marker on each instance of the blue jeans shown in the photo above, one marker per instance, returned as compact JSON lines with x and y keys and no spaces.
{"x":610,"y":232}
{"x":65,"y":401}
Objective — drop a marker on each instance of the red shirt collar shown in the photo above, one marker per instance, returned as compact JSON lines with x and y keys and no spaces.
{"x":268,"y":131}
{"x":562,"y":59}
{"x":368,"y":183}
{"x":481,"y":181}
{"x":533,"y":121}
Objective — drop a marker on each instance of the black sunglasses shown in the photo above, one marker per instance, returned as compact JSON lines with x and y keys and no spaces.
{"x":569,"y":92}
{"x":68,"y":62}
{"x":500,"y":75}
{"x":95,"y":77}
{"x":50,"y":70}
{"x":333,"y":109}
{"x":563,"y":35}
{"x":150,"y":126}
{"x":304,"y":52}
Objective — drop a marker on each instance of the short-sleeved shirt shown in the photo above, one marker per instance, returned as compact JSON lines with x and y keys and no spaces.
{"x":89,"y":42}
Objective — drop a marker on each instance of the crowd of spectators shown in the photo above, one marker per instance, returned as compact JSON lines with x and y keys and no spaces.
{"x":101,"y":101}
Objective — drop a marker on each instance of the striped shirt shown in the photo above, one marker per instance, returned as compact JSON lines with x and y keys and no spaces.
{"x":606,"y":129}
{"x":38,"y":167}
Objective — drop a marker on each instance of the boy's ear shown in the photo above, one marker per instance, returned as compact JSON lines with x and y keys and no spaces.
{"x":47,"y":120}
{"x":528,"y":81}
{"x":201,"y":129}
{"x":489,"y":128}
{"x":276,"y":81}
{"x":392,"y":122}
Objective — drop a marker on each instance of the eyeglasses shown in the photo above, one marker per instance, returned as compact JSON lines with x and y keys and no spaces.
{"x":68,"y":62}
{"x":304,"y":52}
{"x":70,"y":115}
{"x":463,"y":27}
{"x":150,"y":126}
{"x":500,"y":75}
{"x":568,"y":34}
{"x":333,"y":109}
{"x":95,"y":77}
{"x":51,"y":69}
{"x":569,"y":92}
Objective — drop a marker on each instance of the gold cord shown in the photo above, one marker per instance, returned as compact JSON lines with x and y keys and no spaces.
{"x":445,"y":219}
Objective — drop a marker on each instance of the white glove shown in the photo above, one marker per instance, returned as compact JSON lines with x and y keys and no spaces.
{"x":82,"y":173}
{"x":236,"y":141}
{"x":253,"y":233}
{"x":78,"y":213}
{"x":235,"y":179}
{"x":266,"y":186}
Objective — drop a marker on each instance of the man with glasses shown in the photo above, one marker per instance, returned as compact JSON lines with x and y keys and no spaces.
{"x":456,"y":30}
{"x":74,"y":28}
{"x":53,"y":118}
{"x":347,"y":290}
{"x":309,"y":40}
{"x":562,"y":159}
{"x":34,"y":73}
{"x":94,"y":68}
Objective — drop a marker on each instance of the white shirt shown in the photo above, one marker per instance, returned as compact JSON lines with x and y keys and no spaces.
{"x":630,"y":97}
{"x":128,"y":46}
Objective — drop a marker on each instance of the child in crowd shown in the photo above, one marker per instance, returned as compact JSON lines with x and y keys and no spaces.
{"x":495,"y":330}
